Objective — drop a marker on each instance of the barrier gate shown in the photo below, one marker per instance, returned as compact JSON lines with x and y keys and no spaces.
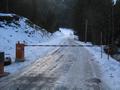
{"x":20,"y":49}
{"x":20,"y":52}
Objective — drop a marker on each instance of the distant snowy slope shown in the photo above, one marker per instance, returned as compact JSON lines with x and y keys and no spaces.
{"x":14,"y":28}
{"x":5,"y":14}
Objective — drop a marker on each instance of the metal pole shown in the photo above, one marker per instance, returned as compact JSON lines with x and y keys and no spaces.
{"x":108,"y":54}
{"x":86,"y":27}
{"x":101,"y":45}
{"x":108,"y":50}
{"x":108,"y":44}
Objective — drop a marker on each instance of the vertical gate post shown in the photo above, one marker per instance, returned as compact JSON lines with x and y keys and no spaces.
{"x":2,"y":58}
{"x":1,"y":64}
{"x":20,"y":52}
{"x":101,"y":45}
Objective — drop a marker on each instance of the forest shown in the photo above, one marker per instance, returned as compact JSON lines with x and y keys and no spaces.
{"x":92,"y":20}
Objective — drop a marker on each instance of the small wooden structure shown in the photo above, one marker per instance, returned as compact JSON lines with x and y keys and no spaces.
{"x":20,"y":52}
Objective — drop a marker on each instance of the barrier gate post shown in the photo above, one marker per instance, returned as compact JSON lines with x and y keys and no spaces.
{"x":20,"y":52}
{"x":1,"y":64}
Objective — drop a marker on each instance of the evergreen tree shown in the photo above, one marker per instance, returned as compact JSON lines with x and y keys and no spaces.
{"x":117,"y":22}
{"x":98,"y":14}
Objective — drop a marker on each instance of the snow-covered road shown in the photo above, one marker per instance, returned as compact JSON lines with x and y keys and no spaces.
{"x":65,"y":68}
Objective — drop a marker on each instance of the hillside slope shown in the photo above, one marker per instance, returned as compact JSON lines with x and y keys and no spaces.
{"x":14,"y":28}
{"x":12,"y":31}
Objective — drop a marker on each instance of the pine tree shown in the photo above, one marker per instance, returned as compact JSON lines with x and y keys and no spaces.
{"x":98,"y":15}
{"x":117,"y":22}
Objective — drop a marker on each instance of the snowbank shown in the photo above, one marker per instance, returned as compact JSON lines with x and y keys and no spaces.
{"x":110,"y":68}
{"x":10,"y":33}
{"x":25,"y":31}
{"x":67,"y":32}
{"x":5,"y":14}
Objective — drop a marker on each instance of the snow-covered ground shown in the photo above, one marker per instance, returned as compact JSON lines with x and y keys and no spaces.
{"x":32,"y":54}
{"x":65,"y":68}
{"x":6,"y":14}
{"x":23,"y":32}
{"x":11,"y":33}
{"x":110,"y":68}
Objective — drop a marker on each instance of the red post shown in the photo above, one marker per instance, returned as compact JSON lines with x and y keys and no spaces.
{"x":1,"y":64}
{"x":20,"y":52}
{"x":2,"y":57}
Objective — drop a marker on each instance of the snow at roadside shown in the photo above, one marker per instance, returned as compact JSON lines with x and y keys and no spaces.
{"x":110,"y":69}
{"x":32,"y":54}
{"x":25,"y":31}
{"x":11,"y":33}
{"x":6,"y":14}
{"x":67,"y":32}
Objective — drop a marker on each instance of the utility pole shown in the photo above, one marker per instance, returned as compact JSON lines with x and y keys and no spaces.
{"x":86,"y":30}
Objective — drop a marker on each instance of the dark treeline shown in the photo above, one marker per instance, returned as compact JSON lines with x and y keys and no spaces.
{"x":96,"y":16}
{"x":93,"y":17}
{"x":49,"y":14}
{"x":89,"y":18}
{"x":117,"y":22}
